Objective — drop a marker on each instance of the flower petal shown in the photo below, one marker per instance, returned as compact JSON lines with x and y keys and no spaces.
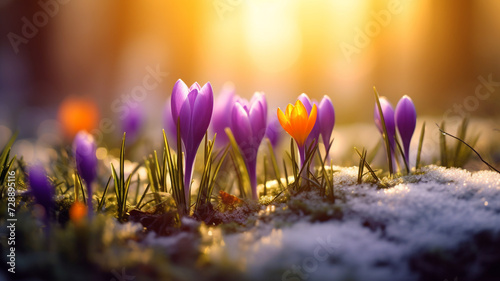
{"x":40,"y":186}
{"x":185,"y":126}
{"x":84,"y":150}
{"x":273,"y":132}
{"x":259,"y":97}
{"x":289,"y":109}
{"x":388,"y":112}
{"x":326,"y":118}
{"x":179,"y":95}
{"x":311,"y":121}
{"x":406,"y":117}
{"x":132,"y":122}
{"x":406,"y":120}
{"x":298,"y":121}
{"x":300,"y":118}
{"x":258,"y":116}
{"x":284,"y":121}
{"x":195,"y":86}
{"x":240,"y":124}
{"x":306,"y":101}
{"x":314,"y":133}
{"x":206,"y":89}
{"x":202,"y":113}
{"x":223,"y":104}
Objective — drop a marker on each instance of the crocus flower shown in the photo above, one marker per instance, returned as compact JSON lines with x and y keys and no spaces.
{"x":132,"y":122}
{"x":298,"y":124}
{"x":406,"y":120}
{"x":40,"y":187}
{"x":308,"y":104}
{"x":84,"y":150}
{"x":326,"y":119}
{"x":77,"y":212}
{"x":388,"y":113}
{"x":220,"y":121}
{"x":76,"y":114}
{"x":273,"y":131}
{"x":193,"y":108}
{"x":248,"y":124}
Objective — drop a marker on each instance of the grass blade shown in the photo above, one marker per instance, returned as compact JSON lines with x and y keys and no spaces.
{"x":420,"y":145}
{"x":239,"y":163}
{"x":477,"y":153}
{"x":442,"y":145}
{"x":274,"y":163}
{"x":368,"y":167}
{"x":384,"y":129}
{"x":400,"y":149}
{"x":103,"y":198}
{"x":143,"y":195}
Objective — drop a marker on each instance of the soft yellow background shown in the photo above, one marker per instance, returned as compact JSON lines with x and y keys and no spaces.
{"x":433,"y":51}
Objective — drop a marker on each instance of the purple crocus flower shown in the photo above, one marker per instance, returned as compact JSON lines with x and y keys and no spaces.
{"x":40,"y":187}
{"x":406,"y":120}
{"x":220,"y":121}
{"x":132,"y":123}
{"x":84,"y":150}
{"x":193,"y":108}
{"x":248,"y":124}
{"x":314,"y":135}
{"x":388,"y":112}
{"x":274,"y":131}
{"x":326,"y":118}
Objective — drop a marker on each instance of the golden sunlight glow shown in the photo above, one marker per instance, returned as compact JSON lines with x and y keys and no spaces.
{"x":272,"y":35}
{"x":101,"y":153}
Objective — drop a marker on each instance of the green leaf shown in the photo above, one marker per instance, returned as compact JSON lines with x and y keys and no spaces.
{"x":274,"y":163}
{"x":239,"y":164}
{"x":384,"y":129}
{"x":362,"y":160}
{"x":442,"y":145}
{"x":420,"y":145}
{"x":469,"y":146}
{"x":103,"y":198}
{"x":138,"y":205}
{"x":368,"y":166}
{"x":400,"y":149}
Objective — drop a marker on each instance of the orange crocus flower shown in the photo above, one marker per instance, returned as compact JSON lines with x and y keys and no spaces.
{"x":78,"y":114}
{"x":296,"y":122}
{"x":77,"y":212}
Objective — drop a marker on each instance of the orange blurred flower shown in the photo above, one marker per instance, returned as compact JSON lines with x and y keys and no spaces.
{"x":77,"y":212}
{"x":76,"y":114}
{"x":296,"y":122}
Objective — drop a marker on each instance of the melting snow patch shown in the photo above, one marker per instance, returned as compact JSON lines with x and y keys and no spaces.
{"x":383,"y":231}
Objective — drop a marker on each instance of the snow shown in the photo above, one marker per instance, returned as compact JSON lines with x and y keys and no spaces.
{"x":384,"y":234}
{"x":440,"y":208}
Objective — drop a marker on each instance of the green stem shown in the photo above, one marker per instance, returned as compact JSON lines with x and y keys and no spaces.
{"x":252,"y":174}
{"x":90,"y":209}
{"x":188,"y":175}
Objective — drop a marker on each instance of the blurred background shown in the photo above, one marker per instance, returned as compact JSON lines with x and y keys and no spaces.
{"x":105,"y":51}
